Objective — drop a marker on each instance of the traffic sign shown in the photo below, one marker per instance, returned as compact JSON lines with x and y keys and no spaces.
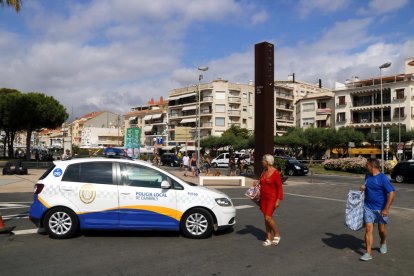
{"x":133,"y":138}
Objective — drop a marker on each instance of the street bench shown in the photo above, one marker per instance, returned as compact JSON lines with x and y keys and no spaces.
{"x":241,"y":179}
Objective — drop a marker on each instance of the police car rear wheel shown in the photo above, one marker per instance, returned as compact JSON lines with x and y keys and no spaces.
{"x":61,"y":223}
{"x":197,"y":224}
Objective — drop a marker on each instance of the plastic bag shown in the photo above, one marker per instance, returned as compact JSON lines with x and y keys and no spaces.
{"x":354,"y":212}
{"x":254,"y":193}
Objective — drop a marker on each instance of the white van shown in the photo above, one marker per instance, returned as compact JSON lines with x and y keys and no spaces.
{"x":117,"y":194}
{"x":223,"y":159}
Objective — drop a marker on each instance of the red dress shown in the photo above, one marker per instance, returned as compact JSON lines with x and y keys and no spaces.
{"x":270,"y":190}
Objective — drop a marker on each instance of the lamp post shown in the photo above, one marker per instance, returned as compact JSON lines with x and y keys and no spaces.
{"x":200,"y":77}
{"x":383,"y":66}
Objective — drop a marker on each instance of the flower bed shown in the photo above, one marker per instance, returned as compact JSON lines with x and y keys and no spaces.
{"x":353,"y":165}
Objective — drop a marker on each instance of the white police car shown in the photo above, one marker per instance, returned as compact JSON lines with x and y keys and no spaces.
{"x":116,"y":194}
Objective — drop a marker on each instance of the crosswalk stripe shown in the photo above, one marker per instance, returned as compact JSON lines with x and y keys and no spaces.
{"x":243,"y":207}
{"x":25,"y":232}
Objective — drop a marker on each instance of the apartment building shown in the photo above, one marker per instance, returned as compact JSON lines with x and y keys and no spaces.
{"x":152,"y":120}
{"x":98,"y":119}
{"x":287,"y":94}
{"x":222,"y":104}
{"x":94,"y":137}
{"x":284,"y":109}
{"x":358,"y":102}
{"x":316,"y":109}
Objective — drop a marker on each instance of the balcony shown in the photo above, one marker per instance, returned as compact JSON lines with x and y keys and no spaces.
{"x":399,"y":99}
{"x":285,"y":117}
{"x":207,"y":124}
{"x":402,"y":117}
{"x":341,"y":105}
{"x":324,"y":111}
{"x":341,"y":121}
{"x":234,"y":99}
{"x":370,"y":121}
{"x":236,"y":113}
{"x":205,"y":112}
{"x":284,"y":95}
{"x":207,"y":99}
{"x":286,"y":107}
{"x":233,"y":124}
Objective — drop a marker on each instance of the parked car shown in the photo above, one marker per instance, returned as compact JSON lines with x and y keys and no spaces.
{"x":169,"y":159}
{"x":403,"y":172}
{"x":293,"y":166}
{"x":16,"y":167}
{"x":223,"y":159}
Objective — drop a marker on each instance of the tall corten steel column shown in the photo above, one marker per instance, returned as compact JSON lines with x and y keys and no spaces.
{"x":264,"y":103}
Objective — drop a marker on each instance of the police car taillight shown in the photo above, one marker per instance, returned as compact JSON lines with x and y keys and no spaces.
{"x":38,"y":188}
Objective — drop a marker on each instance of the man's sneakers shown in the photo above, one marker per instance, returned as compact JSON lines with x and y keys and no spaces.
{"x":383,"y":248}
{"x":366,"y":257}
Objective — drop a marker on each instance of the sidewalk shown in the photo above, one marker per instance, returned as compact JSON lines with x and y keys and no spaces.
{"x":20,"y":183}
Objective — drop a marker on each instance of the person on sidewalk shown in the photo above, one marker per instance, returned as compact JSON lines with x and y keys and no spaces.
{"x":186,"y":160}
{"x":271,"y":194}
{"x":379,"y":195}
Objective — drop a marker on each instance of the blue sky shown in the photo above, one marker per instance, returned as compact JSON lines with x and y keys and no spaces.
{"x":114,"y":54}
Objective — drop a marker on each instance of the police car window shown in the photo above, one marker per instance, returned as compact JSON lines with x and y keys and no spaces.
{"x":71,"y":173}
{"x":140,"y":176}
{"x":46,"y":173}
{"x":96,"y":172}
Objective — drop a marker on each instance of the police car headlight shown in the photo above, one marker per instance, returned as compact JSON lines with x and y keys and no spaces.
{"x":223,"y":202}
{"x":297,"y":167}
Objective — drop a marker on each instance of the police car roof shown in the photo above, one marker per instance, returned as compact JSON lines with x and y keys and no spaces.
{"x":100,"y":159}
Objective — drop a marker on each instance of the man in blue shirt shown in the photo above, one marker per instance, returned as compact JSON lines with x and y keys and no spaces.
{"x":379,"y":195}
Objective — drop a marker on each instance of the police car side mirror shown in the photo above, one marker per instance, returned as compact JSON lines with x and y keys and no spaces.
{"x":165,"y":185}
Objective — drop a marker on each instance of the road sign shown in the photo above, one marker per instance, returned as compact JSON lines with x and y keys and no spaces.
{"x":133,"y":138}
{"x":400,"y":146}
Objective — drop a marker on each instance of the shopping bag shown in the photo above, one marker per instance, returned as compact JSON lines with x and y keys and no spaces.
{"x":254,"y":193}
{"x":354,"y":212}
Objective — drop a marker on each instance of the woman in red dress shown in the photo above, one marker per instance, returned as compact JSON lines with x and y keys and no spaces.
{"x":271,"y":193}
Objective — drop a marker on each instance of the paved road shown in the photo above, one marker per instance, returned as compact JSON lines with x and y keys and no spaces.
{"x":314,"y":241}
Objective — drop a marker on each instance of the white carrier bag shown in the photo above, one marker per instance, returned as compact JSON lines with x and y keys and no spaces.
{"x":354,"y":212}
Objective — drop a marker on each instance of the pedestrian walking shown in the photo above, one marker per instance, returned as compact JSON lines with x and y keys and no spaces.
{"x":186,"y":161}
{"x":207,"y":164}
{"x":271,"y":194}
{"x":379,"y":195}
{"x":66,"y":155}
{"x":232,"y":165}
{"x":193,"y":164}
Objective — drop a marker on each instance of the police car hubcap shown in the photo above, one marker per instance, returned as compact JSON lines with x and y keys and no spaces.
{"x":196,"y":224}
{"x":60,"y":223}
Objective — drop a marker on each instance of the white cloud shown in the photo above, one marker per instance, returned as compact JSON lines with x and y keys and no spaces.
{"x":108,"y":54}
{"x":385,"y":6}
{"x":307,"y":7}
{"x":260,"y":17}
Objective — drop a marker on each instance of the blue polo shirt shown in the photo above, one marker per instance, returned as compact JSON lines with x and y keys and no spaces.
{"x":377,"y":188}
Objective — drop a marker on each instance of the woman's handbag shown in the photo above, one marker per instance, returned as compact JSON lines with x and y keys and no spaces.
{"x":254,"y":193}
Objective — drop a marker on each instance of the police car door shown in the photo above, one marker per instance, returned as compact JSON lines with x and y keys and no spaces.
{"x":92,"y":188}
{"x":143,"y":203}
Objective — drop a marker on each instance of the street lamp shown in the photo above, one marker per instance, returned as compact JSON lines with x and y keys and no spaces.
{"x":383,"y":66}
{"x":200,"y":77}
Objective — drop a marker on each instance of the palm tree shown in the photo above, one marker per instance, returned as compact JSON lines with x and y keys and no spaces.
{"x":15,"y":4}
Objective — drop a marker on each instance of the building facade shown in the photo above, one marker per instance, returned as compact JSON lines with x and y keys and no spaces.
{"x":358,"y":102}
{"x":94,"y":137}
{"x":152,"y":120}
{"x":287,"y":94}
{"x":99,"y":119}
{"x":316,"y":110}
{"x":222,"y":104}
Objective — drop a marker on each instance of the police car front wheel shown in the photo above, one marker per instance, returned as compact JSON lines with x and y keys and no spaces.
{"x":61,"y":223}
{"x":197,"y":224}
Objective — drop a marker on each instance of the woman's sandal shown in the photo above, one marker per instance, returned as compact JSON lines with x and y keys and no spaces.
{"x":276,"y":240}
{"x":267,"y":243}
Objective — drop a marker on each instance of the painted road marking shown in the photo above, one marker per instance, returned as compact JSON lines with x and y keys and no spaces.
{"x":5,"y":206}
{"x":25,"y":232}
{"x":18,"y":216}
{"x":243,"y":207}
{"x":327,"y":198}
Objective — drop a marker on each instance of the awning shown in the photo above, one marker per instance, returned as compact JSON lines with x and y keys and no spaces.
{"x":191,"y":107}
{"x":147,"y":128}
{"x":188,"y":120}
{"x":147,"y":117}
{"x":174,"y":98}
{"x":132,"y":118}
{"x":358,"y":151}
{"x":188,"y":148}
{"x":156,"y":116}
{"x":321,"y":117}
{"x":168,"y":148}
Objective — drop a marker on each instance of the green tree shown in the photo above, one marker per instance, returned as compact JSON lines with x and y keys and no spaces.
{"x":11,"y":120}
{"x":346,"y":135}
{"x":238,"y":132}
{"x":15,"y":4}
{"x":294,"y":140}
{"x":40,"y":111}
{"x":315,"y":145}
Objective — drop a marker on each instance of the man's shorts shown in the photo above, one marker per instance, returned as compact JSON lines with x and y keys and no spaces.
{"x":374,"y":216}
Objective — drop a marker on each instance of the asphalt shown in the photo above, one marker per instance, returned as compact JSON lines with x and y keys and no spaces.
{"x":314,"y":240}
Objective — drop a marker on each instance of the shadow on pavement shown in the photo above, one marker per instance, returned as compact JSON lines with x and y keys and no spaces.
{"x":344,"y":241}
{"x":252,"y":230}
{"x":138,"y":234}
